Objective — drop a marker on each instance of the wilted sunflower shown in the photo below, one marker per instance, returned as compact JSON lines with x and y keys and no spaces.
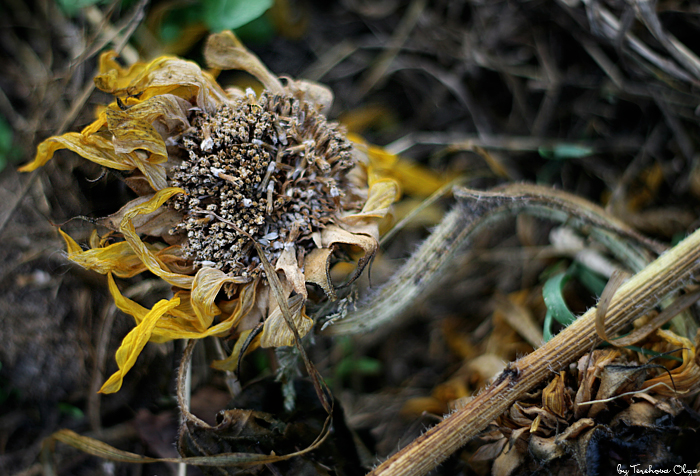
{"x":226,"y":180}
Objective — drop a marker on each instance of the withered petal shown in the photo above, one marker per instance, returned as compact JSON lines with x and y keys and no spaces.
{"x":287,"y":263}
{"x":276,"y":331}
{"x":205,"y":288}
{"x":333,"y":235}
{"x":152,"y":262}
{"x":134,"y":342}
{"x":224,"y":51}
{"x":317,"y":270}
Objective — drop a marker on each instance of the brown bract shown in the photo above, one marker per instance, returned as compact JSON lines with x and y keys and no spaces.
{"x":221,"y":175}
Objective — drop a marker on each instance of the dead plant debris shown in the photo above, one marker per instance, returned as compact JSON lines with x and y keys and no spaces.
{"x":527,"y":306}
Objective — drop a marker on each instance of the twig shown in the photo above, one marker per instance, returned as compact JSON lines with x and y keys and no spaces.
{"x":400,"y":36}
{"x":75,"y":109}
{"x":644,"y":290}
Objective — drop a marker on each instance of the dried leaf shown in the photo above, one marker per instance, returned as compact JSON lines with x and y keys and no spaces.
{"x":545,"y":449}
{"x":554,"y":397}
{"x":313,"y":92}
{"x":317,"y":266}
{"x":287,"y":263}
{"x":333,"y":235}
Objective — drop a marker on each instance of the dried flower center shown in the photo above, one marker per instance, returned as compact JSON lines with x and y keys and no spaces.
{"x":273,"y":167}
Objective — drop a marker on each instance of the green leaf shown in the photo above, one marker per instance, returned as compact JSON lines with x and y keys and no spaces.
{"x":6,"y":136}
{"x":258,"y":31}
{"x":547,"y":330}
{"x":368,"y":366}
{"x":230,"y":14}
{"x":565,"y":151}
{"x":362,"y":366}
{"x":72,"y":7}
{"x":556,"y":305}
{"x":593,"y":281}
{"x":70,"y":410}
{"x":175,"y":21}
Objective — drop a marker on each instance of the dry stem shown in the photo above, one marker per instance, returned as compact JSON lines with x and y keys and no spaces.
{"x":671,"y":271}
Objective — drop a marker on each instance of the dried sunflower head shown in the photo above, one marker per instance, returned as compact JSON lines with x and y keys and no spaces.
{"x":226,"y":180}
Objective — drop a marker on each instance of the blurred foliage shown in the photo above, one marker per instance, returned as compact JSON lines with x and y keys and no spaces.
{"x":7,"y":153}
{"x":245,"y":17}
{"x":72,"y":7}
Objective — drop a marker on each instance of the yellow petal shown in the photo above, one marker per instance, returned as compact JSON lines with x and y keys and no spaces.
{"x":230,"y":363}
{"x":206,"y":286}
{"x":382,"y":194}
{"x":413,"y":178}
{"x":125,"y":304}
{"x":94,"y":148}
{"x":157,"y":223}
{"x":276,"y":331}
{"x":99,"y":150}
{"x":98,"y":124}
{"x":113,"y":76}
{"x":684,"y":379}
{"x":224,"y":51}
{"x":134,"y":342}
{"x":150,"y":259}
{"x":118,"y":258}
{"x":163,"y":75}
{"x":71,"y":245}
{"x":131,"y":134}
{"x":133,"y":128}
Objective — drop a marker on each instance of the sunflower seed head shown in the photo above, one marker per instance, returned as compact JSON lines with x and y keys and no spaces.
{"x":272,"y":167}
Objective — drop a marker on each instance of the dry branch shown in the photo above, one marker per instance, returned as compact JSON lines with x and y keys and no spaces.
{"x":670,"y":272}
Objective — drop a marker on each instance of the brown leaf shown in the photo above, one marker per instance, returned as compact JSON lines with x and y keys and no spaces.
{"x":545,"y":449}
{"x":554,"y":396}
{"x":334,"y":235}
{"x":317,"y":270}
{"x":287,"y":263}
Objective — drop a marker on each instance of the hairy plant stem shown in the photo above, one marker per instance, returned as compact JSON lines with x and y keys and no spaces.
{"x":475,"y":210}
{"x":670,"y":272}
